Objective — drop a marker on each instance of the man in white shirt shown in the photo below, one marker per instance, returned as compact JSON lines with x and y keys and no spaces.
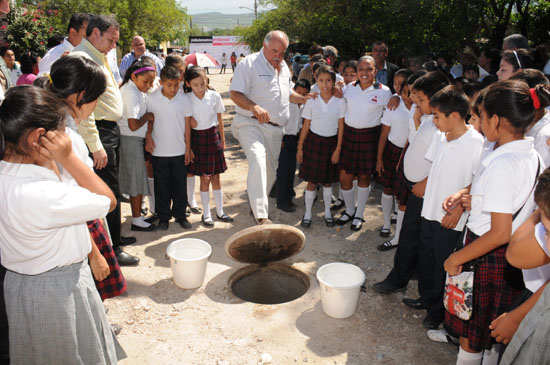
{"x":261,"y":90}
{"x":138,"y":50}
{"x":76,"y":30}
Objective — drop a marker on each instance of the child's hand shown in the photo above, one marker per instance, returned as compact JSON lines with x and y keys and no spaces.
{"x":504,"y":327}
{"x":189,"y":156}
{"x":419,"y":189}
{"x":451,"y":202}
{"x":335,"y":157}
{"x":393,"y":103}
{"x":99,"y":266}
{"x":466,"y":201}
{"x":149,"y":143}
{"x":451,"y":266}
{"x":150,"y":117}
{"x":337,"y":92}
{"x":56,"y":145}
{"x":193,"y":123}
{"x":299,"y":155}
{"x":379,"y":166}
{"x":451,"y":219}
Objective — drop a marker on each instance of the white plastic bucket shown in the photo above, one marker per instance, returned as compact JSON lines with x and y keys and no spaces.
{"x":188,"y":259}
{"x":340,"y":286}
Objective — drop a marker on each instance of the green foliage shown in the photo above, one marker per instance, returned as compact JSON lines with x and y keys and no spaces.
{"x":414,"y":27}
{"x":29,"y":29}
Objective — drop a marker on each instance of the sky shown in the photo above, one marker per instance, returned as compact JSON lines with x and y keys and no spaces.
{"x":221,"y":6}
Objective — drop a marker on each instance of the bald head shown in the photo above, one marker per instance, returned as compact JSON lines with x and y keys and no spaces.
{"x":275,"y":45}
{"x":138,"y":46}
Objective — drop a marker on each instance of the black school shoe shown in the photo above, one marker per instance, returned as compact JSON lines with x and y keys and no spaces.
{"x":184,"y":223}
{"x":413,"y":303}
{"x":126,"y":241}
{"x":224,"y":218}
{"x":163,"y":226}
{"x":287,"y":207}
{"x":125,"y":259}
{"x":387,"y":287}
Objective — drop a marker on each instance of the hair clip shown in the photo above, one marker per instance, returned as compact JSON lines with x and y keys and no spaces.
{"x":535,"y":98}
{"x":49,"y":78}
{"x":517,"y":59}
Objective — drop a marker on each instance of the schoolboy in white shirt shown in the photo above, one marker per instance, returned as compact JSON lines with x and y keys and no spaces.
{"x":165,"y":140}
{"x":454,"y":152}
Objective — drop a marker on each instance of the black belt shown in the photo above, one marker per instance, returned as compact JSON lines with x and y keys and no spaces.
{"x":270,"y":122}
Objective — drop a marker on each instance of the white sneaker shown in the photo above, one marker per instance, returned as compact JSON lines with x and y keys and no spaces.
{"x":441,"y":336}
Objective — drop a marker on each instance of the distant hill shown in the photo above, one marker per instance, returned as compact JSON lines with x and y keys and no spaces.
{"x":210,"y":21}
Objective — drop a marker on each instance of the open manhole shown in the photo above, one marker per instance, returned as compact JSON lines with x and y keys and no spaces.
{"x":266,"y":281}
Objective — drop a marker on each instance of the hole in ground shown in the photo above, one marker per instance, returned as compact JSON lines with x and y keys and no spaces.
{"x":274,"y":284}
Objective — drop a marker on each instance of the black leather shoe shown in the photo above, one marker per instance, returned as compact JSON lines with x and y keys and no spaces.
{"x":340,"y":221}
{"x":184,"y":223}
{"x":195,"y":210}
{"x":413,"y":303}
{"x":387,"y":287}
{"x":163,"y":226}
{"x":125,"y":259}
{"x":306,"y":223}
{"x":430,"y":324}
{"x":134,"y":227}
{"x":329,"y":222}
{"x":207,"y":222}
{"x":152,"y":218}
{"x":356,"y":227}
{"x":126,"y":241}
{"x":287,"y":207}
{"x":224,"y":218}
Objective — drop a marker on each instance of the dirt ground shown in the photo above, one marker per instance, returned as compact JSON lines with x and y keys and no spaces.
{"x":163,"y":324}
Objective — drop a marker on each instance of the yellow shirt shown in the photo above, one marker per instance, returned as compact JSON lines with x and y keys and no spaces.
{"x":109,"y":106}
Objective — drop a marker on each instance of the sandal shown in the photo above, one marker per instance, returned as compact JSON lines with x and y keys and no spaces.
{"x":357,"y":227}
{"x":329,"y":222}
{"x":386,"y":246}
{"x":341,"y":221}
{"x":339,"y":203}
{"x":384,"y":232}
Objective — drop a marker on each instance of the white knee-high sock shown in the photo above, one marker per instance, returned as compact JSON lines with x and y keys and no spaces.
{"x":151,"y":182}
{"x":205,"y":200}
{"x":191,"y":192}
{"x":309,"y":199}
{"x":340,"y":196}
{"x":349,"y":200}
{"x":219,"y":202}
{"x":490,"y":357}
{"x":355,"y":191}
{"x":327,"y":194}
{"x":468,"y":358}
{"x":395,"y":204}
{"x":362,"y":197}
{"x":387,"y":203}
{"x":395,"y":239}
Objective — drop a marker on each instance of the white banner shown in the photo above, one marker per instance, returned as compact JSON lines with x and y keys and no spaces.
{"x":217,"y":46}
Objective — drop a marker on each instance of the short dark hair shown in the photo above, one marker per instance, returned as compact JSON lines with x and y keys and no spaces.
{"x":24,"y":109}
{"x":75,"y":74}
{"x":4,"y":49}
{"x":516,"y":41}
{"x":101,"y":22}
{"x":415,"y":76}
{"x":451,"y":99}
{"x":379,"y":43}
{"x":77,"y":21}
{"x":318,"y":64}
{"x":326,"y":69}
{"x":302,"y":83}
{"x":542,"y":192}
{"x":471,"y":67}
{"x":28,"y":61}
{"x":431,"y":83}
{"x":471,"y":88}
{"x":316,"y":58}
{"x":315,"y":49}
{"x":169,"y":73}
{"x":531,"y":76}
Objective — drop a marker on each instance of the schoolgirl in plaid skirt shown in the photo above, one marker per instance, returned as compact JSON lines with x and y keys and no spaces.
{"x":205,"y":141}
{"x":366,"y":100}
{"x":501,"y":200}
{"x":320,"y":143}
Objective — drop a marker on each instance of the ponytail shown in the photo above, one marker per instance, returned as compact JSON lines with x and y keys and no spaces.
{"x":540,"y":95}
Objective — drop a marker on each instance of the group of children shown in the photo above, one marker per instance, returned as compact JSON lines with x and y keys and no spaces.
{"x":462,"y":174}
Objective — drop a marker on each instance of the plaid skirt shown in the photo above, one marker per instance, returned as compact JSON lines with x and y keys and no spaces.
{"x":493,"y":295}
{"x":114,"y":284}
{"x":359,"y":149}
{"x":400,"y":188}
{"x":390,"y":158}
{"x":316,"y":166}
{"x":209,"y":156}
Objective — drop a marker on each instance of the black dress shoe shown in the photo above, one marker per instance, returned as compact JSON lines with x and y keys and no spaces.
{"x":163,"y":226}
{"x":126,"y":241}
{"x":356,"y":227}
{"x":306,"y":223}
{"x":430,"y":324}
{"x":184,"y":223}
{"x":287,"y":207}
{"x":387,"y":287}
{"x":224,"y":218}
{"x":341,"y":221}
{"x":151,"y":228}
{"x":329,"y":222}
{"x":413,"y":303}
{"x":125,"y":259}
{"x":207,"y":222}
{"x":338,"y":204}
{"x":152,"y":218}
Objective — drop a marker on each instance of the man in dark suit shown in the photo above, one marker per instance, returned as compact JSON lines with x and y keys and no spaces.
{"x":385,"y":69}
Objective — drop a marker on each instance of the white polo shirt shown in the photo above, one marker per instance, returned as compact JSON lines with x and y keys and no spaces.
{"x":134,"y":107}
{"x":502,"y":183}
{"x":535,"y":278}
{"x":169,"y":127}
{"x":324,"y":116}
{"x":398,"y":121}
{"x":415,"y":165}
{"x":44,"y":221}
{"x":453,"y":166}
{"x":541,"y":133}
{"x":53,"y":55}
{"x":205,"y":111}
{"x":295,"y":120}
{"x":365,"y":107}
{"x":260,"y":82}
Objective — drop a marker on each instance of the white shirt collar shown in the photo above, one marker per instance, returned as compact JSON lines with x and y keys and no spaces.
{"x":520,"y":145}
